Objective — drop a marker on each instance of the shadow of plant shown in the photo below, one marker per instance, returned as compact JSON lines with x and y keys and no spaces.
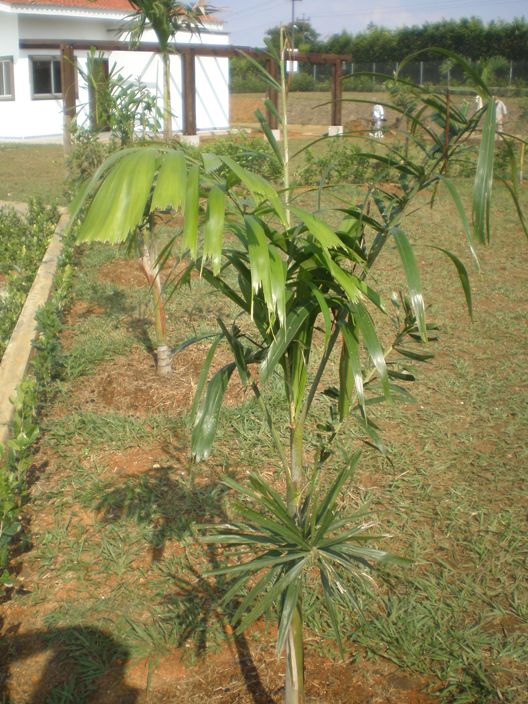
{"x":85,"y":666}
{"x":170,"y":507}
{"x":167,"y":505}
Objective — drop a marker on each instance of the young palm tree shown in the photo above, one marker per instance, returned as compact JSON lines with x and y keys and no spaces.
{"x":165,"y":18}
{"x":295,"y":279}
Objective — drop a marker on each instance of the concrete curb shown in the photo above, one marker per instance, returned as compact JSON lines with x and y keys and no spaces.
{"x":18,"y":351}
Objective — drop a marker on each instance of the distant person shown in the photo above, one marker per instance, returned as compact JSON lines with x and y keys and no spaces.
{"x":500,"y":113}
{"x":478,"y":102}
{"x":377,"y":117}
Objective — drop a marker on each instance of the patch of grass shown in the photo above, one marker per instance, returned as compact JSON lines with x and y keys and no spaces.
{"x":31,"y":170}
{"x":111,"y":430}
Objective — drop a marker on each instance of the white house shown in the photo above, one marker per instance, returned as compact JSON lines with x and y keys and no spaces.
{"x":30,"y":78}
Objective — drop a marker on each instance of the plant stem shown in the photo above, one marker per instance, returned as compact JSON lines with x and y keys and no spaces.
{"x":167,"y":117}
{"x":294,"y":689}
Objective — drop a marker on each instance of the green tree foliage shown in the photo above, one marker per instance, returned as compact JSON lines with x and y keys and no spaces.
{"x":469,"y":37}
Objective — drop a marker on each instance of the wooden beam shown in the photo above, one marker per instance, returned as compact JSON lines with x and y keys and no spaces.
{"x":68,"y":82}
{"x":189,"y":92}
{"x":337,"y":93}
{"x":199,"y":50}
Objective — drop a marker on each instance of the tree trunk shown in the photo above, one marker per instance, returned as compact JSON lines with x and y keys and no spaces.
{"x":151,"y":271}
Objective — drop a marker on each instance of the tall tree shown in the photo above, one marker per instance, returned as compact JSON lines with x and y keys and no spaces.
{"x":165,"y":18}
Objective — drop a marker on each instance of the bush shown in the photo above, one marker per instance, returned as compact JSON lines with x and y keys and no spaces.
{"x":341,"y":162}
{"x":87,"y":154}
{"x":251,"y":152}
{"x":23,"y":242}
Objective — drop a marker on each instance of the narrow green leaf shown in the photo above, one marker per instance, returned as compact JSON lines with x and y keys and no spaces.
{"x":286,"y":611}
{"x":372,"y":343}
{"x":319,"y":229}
{"x":325,"y":310}
{"x":351,"y":350}
{"x":462,"y":214}
{"x":277,"y":589}
{"x":261,"y":189}
{"x":206,"y":423}
{"x":214,"y":228}
{"x":462,"y":275}
{"x":482,"y":188}
{"x":190,"y":228}
{"x":204,"y":373}
{"x":283,"y":339}
{"x":269,"y":135}
{"x":412,"y":275}
{"x":329,"y":601}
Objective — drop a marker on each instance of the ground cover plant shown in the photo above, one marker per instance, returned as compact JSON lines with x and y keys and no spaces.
{"x":23,"y":242}
{"x":115,"y":523}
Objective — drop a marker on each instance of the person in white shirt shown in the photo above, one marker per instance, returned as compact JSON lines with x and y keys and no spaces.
{"x":500,"y":113}
{"x":377,"y":117}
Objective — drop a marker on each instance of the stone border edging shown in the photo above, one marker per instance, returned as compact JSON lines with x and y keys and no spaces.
{"x":16,"y":356}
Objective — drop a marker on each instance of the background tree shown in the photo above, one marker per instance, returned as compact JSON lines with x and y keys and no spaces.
{"x":165,"y":18}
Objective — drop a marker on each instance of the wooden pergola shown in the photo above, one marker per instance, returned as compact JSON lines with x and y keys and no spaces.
{"x":188,"y":53}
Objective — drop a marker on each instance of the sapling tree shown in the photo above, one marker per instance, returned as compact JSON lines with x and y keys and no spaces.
{"x":304,"y":293}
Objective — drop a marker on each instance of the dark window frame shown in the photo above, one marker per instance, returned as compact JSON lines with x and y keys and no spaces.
{"x":10,"y":73}
{"x":51,"y":60}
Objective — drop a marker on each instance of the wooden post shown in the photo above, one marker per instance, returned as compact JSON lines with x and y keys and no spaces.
{"x":272,"y":93}
{"x":189,"y":92}
{"x":68,"y":93}
{"x":337,"y":93}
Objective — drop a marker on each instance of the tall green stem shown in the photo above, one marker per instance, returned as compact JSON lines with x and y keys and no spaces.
{"x":294,"y":687}
{"x":167,"y":116}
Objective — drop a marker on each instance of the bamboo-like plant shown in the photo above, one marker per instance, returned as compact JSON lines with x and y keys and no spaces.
{"x":290,"y":274}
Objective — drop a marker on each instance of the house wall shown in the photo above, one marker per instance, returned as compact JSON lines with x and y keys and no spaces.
{"x":27,"y":117}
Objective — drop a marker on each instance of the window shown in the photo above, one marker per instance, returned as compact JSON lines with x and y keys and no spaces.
{"x":7,"y":89}
{"x":46,"y":77}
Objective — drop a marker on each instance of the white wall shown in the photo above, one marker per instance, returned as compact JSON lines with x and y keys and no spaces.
{"x":26,"y":117}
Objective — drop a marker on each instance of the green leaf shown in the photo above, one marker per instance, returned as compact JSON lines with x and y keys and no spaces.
{"x":412,"y":275}
{"x":171,"y":183}
{"x":462,"y":214}
{"x":319,"y":229}
{"x":261,"y":189}
{"x":269,"y":135}
{"x":278,"y":588}
{"x":119,"y":204}
{"x":214,"y":228}
{"x":288,"y":605}
{"x":372,"y":343}
{"x":482,"y":188}
{"x":190,"y":228}
{"x":462,"y":275}
{"x":204,"y":373}
{"x":353,"y":369}
{"x":206,"y":423}
{"x":283,"y":339}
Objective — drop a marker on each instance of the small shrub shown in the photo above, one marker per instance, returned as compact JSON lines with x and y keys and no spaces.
{"x":341,"y":162}
{"x":23,"y":242}
{"x":251,"y":152}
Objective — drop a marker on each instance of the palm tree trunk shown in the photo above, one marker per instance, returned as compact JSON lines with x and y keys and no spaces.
{"x":151,"y":271}
{"x":167,"y":113}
